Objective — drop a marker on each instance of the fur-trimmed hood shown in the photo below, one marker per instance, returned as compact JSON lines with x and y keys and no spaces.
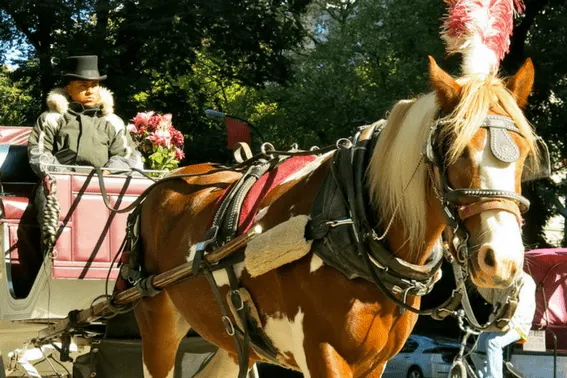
{"x":58,"y":101}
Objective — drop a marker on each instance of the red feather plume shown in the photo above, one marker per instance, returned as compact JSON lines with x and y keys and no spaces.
{"x":480,"y":30}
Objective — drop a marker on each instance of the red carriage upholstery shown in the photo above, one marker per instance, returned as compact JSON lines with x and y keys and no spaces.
{"x":82,"y":233}
{"x":548,"y":267}
{"x":15,"y":135}
{"x":85,"y":249}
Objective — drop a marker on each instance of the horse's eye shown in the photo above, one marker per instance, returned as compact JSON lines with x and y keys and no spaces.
{"x":465,"y":154}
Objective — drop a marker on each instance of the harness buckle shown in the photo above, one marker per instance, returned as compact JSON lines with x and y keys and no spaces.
{"x":343,"y":144}
{"x":210,"y":237}
{"x":236,"y":300}
{"x":339,"y":222}
{"x":228,"y":326}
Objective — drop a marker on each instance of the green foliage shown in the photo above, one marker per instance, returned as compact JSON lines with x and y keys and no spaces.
{"x":366,"y":56}
{"x":15,"y":100}
{"x":161,"y":159}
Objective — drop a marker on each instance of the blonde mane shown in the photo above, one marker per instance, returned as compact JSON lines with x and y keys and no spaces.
{"x":397,"y":177}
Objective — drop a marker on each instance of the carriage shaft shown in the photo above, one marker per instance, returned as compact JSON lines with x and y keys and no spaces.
{"x":160,"y":281}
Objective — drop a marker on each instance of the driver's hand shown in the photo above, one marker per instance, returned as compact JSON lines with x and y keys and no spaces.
{"x":106,"y":172}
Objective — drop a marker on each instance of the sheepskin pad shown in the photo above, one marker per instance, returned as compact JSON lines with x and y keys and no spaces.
{"x":278,"y":246}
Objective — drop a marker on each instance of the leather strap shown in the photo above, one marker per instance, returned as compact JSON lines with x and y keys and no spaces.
{"x":241,"y":346}
{"x":478,"y":207}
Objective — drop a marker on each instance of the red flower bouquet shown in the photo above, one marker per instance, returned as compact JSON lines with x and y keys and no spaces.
{"x":159,"y":142}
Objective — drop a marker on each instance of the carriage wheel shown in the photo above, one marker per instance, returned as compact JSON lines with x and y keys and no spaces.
{"x":458,"y":370}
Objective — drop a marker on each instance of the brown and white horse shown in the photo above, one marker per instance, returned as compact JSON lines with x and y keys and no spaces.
{"x":323,"y":324}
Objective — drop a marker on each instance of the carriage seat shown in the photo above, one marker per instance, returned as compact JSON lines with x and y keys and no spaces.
{"x":17,"y":180}
{"x":17,"y":215}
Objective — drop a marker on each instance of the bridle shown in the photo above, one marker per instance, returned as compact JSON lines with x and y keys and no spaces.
{"x":505,"y":149}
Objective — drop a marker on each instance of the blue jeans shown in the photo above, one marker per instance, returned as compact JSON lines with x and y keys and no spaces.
{"x":492,"y":343}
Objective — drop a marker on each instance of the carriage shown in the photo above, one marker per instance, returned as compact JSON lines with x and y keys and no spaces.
{"x":36,"y":290}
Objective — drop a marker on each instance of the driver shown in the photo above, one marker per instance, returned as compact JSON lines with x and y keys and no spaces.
{"x":80,"y":127}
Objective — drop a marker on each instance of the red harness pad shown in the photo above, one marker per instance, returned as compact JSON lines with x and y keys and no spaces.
{"x":265,"y":184}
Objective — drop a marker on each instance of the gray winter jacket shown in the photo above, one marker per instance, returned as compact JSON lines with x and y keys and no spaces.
{"x":69,"y":134}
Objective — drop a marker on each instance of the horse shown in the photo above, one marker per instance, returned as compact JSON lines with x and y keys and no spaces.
{"x":322,"y":323}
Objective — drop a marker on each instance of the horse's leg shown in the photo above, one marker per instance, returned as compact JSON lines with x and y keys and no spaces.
{"x":222,"y":365}
{"x":378,"y":371}
{"x":323,"y":361}
{"x":162,"y":328}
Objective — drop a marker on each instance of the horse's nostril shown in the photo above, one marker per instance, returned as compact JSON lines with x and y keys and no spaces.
{"x":489,"y":258}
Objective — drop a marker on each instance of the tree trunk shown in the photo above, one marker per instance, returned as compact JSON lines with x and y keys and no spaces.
{"x":102,"y":16}
{"x":44,"y":29}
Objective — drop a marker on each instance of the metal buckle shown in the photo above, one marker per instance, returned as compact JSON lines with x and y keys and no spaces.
{"x":228,"y":326}
{"x":238,"y":306}
{"x":344,"y":144}
{"x":340,"y":222}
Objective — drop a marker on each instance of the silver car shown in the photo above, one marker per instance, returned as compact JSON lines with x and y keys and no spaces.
{"x":423,"y":357}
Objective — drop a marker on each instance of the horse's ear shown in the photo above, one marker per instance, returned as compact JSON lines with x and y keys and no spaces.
{"x":522,"y":82}
{"x":447,"y":88}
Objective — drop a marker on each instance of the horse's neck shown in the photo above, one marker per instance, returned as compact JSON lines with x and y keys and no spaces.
{"x":399,"y":245}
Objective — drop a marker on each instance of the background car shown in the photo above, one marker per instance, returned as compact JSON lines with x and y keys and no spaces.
{"x":423,"y":357}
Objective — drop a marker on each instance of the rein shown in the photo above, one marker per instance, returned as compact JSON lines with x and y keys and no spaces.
{"x":268,"y":153}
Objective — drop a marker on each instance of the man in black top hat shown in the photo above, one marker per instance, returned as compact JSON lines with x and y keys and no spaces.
{"x":80,"y":127}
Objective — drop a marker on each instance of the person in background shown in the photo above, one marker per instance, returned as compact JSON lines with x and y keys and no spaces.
{"x":490,"y":344}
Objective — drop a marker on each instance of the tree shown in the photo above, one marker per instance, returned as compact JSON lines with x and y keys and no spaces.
{"x":15,"y":100}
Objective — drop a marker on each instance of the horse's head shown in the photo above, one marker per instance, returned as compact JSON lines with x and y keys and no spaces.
{"x":481,"y":145}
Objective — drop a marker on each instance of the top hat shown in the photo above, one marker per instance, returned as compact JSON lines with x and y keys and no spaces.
{"x":83,"y":67}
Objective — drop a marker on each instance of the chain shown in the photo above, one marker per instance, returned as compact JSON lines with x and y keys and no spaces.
{"x":434,"y":183}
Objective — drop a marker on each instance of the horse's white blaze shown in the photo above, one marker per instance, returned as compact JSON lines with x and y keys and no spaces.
{"x":287,"y":336}
{"x":501,"y":231}
{"x":222,"y":278}
{"x":307,"y":169}
{"x":220,"y":366}
{"x":315,"y":264}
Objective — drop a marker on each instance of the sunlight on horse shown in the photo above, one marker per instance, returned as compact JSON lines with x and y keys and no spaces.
{"x":320,"y":322}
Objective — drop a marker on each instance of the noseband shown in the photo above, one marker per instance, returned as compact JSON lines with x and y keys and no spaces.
{"x":503,"y":148}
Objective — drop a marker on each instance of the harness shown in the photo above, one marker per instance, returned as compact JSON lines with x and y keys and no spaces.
{"x":344,"y":237}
